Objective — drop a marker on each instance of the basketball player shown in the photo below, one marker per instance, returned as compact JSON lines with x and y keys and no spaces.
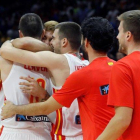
{"x":21,"y":127}
{"x":49,"y":27}
{"x":31,"y":86}
{"x":1,"y":102}
{"x":66,"y":40}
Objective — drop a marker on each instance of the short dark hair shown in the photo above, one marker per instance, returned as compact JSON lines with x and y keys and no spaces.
{"x":131,"y":22}
{"x":71,"y":31}
{"x":31,"y":25}
{"x":99,"y":32}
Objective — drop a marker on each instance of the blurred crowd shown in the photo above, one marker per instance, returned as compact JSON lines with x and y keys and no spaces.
{"x":62,"y":10}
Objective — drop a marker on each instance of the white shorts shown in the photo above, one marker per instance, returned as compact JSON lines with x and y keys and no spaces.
{"x":80,"y":137}
{"x":24,"y":134}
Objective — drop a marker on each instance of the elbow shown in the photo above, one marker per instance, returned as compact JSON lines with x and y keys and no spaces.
{"x":124,"y":122}
{"x":44,"y":109}
{"x":20,"y":43}
{"x":123,"y":117}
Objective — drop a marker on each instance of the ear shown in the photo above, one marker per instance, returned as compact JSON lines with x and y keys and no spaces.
{"x":43,"y":34}
{"x":20,"y":34}
{"x":128,"y":36}
{"x":64,"y":42}
{"x":86,"y":43}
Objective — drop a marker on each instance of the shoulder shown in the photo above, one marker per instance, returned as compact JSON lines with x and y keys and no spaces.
{"x":78,"y":79}
{"x":124,"y":62}
{"x":121,"y":68}
{"x":81,"y":73}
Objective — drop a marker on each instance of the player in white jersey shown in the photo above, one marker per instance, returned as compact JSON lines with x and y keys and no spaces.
{"x":66,"y":39}
{"x":20,"y":127}
{"x":14,"y":94}
{"x":1,"y":103}
{"x":68,"y":125}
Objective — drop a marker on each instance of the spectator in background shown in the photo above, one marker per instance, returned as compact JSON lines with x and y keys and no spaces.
{"x":112,"y":15}
{"x":13,"y":33}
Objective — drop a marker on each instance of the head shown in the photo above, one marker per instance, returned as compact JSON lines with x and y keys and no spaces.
{"x":97,"y":33}
{"x":31,"y":25}
{"x":66,"y":37}
{"x":49,"y":29}
{"x":129,"y":29}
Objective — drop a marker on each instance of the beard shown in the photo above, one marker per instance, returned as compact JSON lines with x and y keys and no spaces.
{"x":122,"y":48}
{"x":83,"y":51}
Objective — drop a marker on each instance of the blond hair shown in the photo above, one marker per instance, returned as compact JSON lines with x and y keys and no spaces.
{"x":50,"y":25}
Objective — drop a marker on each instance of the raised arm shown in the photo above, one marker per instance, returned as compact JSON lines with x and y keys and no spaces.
{"x":31,"y":44}
{"x":41,"y":59}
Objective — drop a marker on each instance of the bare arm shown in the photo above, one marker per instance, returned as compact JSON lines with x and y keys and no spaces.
{"x":118,"y":124}
{"x":41,"y":59}
{"x":31,"y":44}
{"x":42,"y":108}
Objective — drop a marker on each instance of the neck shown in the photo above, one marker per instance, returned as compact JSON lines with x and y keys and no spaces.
{"x":94,"y":54}
{"x":133,"y":48}
{"x":76,"y":53}
{"x":73,"y":51}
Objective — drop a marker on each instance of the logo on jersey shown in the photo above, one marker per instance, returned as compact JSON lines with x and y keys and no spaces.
{"x":77,"y":119}
{"x":41,"y":118}
{"x":110,"y":63}
{"x":104,"y":89}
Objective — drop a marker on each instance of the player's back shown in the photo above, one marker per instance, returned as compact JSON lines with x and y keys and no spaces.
{"x":14,"y":94}
{"x":93,"y":102}
{"x":68,"y":119}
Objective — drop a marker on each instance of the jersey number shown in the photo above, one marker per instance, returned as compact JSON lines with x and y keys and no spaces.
{"x":42,"y":83}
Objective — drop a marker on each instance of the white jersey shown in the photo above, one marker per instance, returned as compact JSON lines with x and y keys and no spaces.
{"x":68,"y":119}
{"x":14,"y":94}
{"x":1,"y":103}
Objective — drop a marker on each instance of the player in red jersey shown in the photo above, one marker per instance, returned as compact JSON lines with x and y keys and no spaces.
{"x":124,"y":84}
{"x":89,"y":85}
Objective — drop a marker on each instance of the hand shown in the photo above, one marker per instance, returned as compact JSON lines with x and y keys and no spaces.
{"x":32,"y":87}
{"x":7,"y":110}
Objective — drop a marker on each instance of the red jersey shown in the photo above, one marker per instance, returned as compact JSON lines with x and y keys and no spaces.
{"x":90,"y":86}
{"x":125,"y":91}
